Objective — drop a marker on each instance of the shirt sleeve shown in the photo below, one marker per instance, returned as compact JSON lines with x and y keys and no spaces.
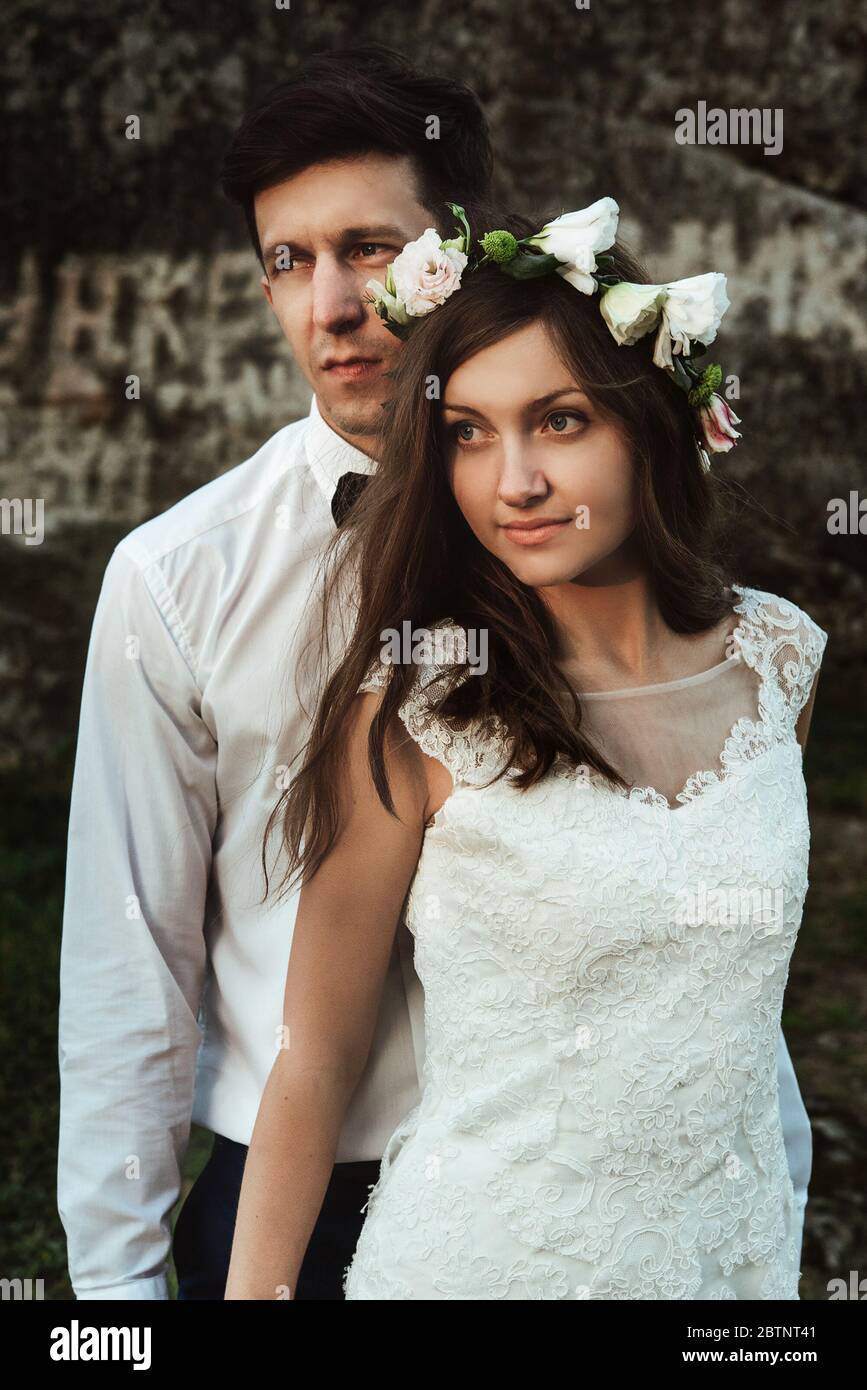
{"x":133,"y":955}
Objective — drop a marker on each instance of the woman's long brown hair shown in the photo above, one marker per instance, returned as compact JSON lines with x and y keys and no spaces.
{"x":406,"y":552}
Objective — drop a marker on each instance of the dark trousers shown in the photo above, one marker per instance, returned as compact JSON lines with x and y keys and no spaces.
{"x":202,"y":1242}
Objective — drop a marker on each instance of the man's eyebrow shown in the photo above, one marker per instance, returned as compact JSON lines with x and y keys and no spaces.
{"x":532,"y":405}
{"x":375,"y":232}
{"x":368,"y":233}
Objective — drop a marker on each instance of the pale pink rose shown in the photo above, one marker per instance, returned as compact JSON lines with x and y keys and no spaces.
{"x":426,"y":273}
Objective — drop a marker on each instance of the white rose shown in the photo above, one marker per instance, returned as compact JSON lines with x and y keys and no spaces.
{"x":693,"y":309}
{"x":426,"y":273}
{"x":631,"y":310}
{"x":575,"y":238}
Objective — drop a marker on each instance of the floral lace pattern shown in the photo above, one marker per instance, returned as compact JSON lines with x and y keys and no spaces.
{"x":599,"y":1115}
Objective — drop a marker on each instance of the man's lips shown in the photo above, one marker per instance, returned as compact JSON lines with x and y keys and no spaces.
{"x":352,"y":367}
{"x":536,"y":531}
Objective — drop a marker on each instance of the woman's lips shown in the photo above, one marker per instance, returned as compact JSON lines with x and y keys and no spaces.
{"x":523,"y":535}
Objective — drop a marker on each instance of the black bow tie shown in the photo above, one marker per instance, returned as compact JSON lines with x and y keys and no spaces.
{"x":349,"y":487}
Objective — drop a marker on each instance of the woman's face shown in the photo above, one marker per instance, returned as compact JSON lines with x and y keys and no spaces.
{"x":544,"y":482}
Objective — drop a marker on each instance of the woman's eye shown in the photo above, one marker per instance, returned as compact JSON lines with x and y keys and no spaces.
{"x":559,"y":421}
{"x":457,"y":434}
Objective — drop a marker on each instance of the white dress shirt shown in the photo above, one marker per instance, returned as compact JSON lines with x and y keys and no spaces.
{"x":172,"y":970}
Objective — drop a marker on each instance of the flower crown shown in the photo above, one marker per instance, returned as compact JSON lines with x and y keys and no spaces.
{"x":685,"y":313}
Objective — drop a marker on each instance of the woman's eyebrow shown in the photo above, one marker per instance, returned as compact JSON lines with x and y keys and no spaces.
{"x":531,"y":405}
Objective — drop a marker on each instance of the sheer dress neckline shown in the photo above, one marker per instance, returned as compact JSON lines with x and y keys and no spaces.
{"x":746,"y":736}
{"x":679,"y":683}
{"x":661,"y":686}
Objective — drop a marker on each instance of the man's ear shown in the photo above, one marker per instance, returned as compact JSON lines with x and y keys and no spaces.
{"x":266,"y":286}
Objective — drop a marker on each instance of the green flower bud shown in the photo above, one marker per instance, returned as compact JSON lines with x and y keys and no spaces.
{"x":500,"y":246}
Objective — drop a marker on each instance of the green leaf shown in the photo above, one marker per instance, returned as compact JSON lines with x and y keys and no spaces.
{"x":681,"y":375}
{"x":527,"y":266}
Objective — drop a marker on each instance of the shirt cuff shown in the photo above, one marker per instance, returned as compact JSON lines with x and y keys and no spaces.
{"x":153,"y":1287}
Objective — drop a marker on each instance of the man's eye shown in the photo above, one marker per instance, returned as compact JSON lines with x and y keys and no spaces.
{"x":375,"y":248}
{"x":368,"y":249}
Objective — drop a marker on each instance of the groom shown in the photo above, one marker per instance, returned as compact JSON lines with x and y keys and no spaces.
{"x":172,"y":970}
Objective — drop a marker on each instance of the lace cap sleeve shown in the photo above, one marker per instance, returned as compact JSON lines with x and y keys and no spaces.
{"x":472,"y":755}
{"x":781,"y":641}
{"x":376,"y":678}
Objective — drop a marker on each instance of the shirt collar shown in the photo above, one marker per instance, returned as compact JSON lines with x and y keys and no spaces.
{"x":329,"y":455}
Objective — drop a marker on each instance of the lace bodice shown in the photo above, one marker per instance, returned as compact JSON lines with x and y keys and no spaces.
{"x":604,"y":975}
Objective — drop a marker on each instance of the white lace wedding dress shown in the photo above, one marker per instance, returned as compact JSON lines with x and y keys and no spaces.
{"x":604,"y":974}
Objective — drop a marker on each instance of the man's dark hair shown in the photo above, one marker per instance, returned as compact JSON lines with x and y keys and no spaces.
{"x":354,"y":100}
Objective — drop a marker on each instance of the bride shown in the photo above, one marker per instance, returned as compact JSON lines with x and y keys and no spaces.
{"x":597,"y":835}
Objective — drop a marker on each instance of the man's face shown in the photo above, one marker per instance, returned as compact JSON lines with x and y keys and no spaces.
{"x":343,"y":221}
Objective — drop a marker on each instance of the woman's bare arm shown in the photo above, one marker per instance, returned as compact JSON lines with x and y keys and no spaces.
{"x":344,"y":934}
